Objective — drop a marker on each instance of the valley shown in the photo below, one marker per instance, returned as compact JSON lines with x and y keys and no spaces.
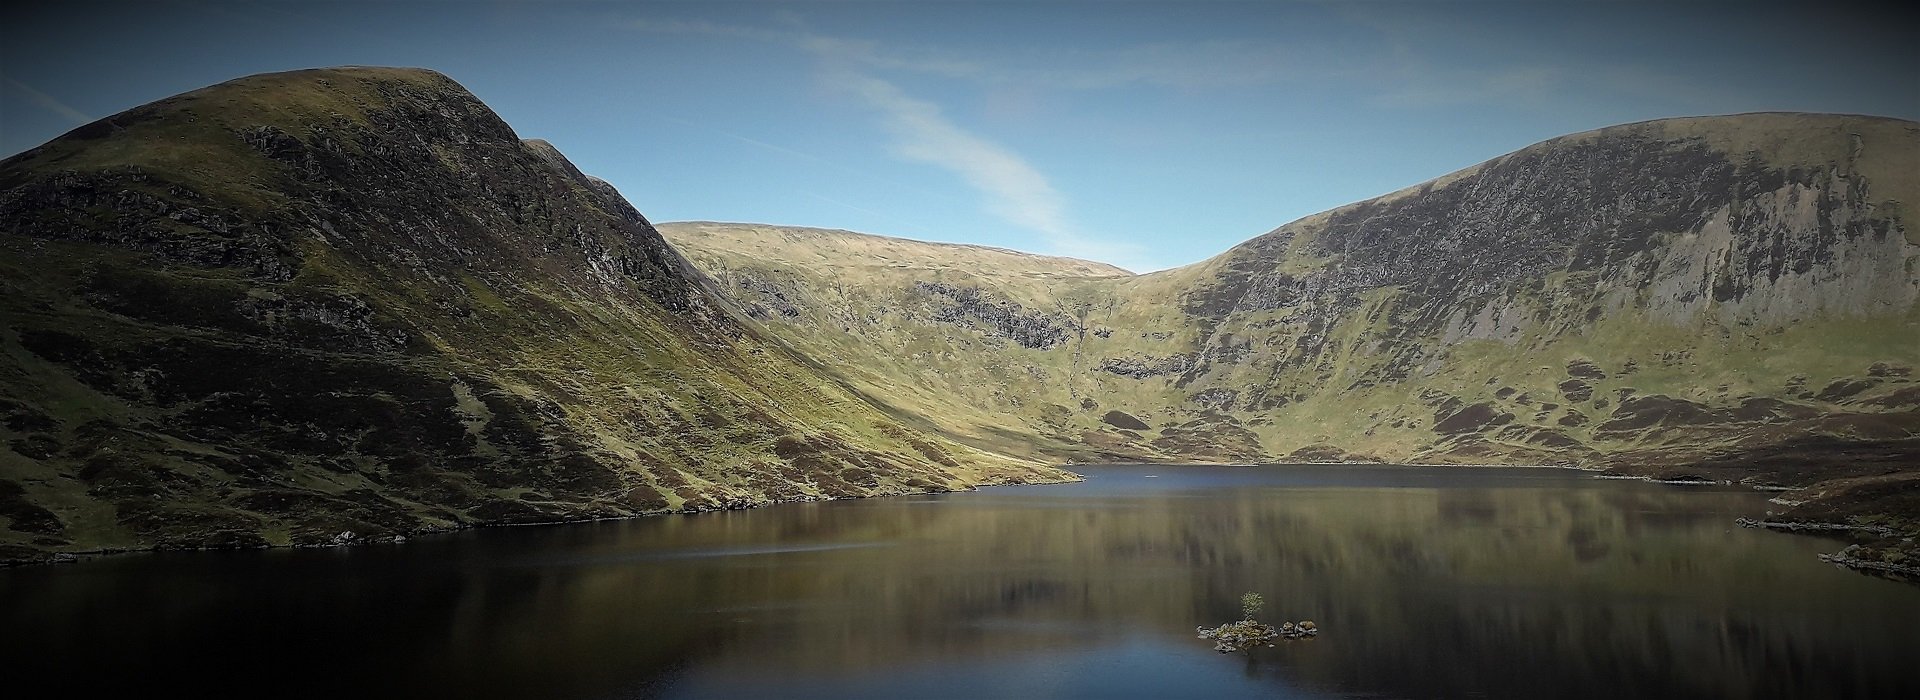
{"x":1723,"y":298}
{"x":348,"y":305}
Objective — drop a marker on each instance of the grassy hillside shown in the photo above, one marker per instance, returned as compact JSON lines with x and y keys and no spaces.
{"x":1722,"y":296}
{"x":348,"y":304}
{"x":954,"y":337}
{"x":351,"y":304}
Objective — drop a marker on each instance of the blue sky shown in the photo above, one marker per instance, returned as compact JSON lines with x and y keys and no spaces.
{"x":1143,"y":134}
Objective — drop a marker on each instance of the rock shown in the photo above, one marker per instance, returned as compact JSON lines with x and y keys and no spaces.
{"x":1144,"y":366}
{"x":977,"y":308}
{"x":1124,"y":420}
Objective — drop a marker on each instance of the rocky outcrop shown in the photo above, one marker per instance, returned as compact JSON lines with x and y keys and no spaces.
{"x":975,"y":308}
{"x":761,"y":296}
{"x":1144,"y":366}
{"x":1124,"y":421}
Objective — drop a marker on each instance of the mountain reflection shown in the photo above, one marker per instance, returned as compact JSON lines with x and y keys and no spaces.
{"x":1428,"y":583}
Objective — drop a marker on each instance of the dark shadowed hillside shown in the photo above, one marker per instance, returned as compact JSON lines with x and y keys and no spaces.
{"x":348,"y":304}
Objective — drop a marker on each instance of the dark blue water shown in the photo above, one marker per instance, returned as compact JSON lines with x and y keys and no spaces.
{"x":1427,"y":582}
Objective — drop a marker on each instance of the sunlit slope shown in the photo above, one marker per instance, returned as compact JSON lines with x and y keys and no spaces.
{"x":979,"y":342}
{"x":1669,"y":287}
{"x":351,"y":303}
{"x":1660,"y":292}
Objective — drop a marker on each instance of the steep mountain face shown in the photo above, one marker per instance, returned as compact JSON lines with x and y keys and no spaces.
{"x":1664,"y":287}
{"x":1662,"y":297}
{"x":349,"y":304}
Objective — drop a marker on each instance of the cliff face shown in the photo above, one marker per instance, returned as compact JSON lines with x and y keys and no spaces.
{"x":1671,"y":286}
{"x":348,"y":304}
{"x":1647,"y":296}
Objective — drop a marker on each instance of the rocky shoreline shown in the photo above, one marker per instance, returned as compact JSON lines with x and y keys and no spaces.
{"x":22,"y":557}
{"x":1813,"y":527}
{"x":1886,"y":553}
{"x":1845,"y":558}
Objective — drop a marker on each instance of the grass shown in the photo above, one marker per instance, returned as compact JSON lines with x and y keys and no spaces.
{"x":978,"y":387}
{"x":443,"y":359}
{"x":517,"y":384}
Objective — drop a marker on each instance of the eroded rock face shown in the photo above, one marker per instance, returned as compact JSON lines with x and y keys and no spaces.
{"x":762,"y":296}
{"x":1144,"y":366}
{"x":975,"y":308}
{"x":1627,"y":231}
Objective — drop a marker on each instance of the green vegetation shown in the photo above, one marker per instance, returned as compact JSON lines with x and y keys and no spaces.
{"x":1545,"y":307}
{"x":340,"y":305}
{"x":1247,"y":633}
{"x":369,"y":310}
{"x":1250,"y":605}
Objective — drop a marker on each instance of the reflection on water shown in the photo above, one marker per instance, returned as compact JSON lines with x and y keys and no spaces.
{"x":1426,"y":582}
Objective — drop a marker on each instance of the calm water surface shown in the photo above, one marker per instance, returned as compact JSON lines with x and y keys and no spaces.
{"x":1427,"y":583}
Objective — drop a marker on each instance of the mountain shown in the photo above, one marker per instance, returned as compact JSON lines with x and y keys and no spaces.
{"x":352,"y":304}
{"x":968,"y":341}
{"x":1722,"y":297}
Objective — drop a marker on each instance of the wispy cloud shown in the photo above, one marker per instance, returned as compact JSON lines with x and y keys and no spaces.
{"x":1182,"y":65}
{"x":1378,"y":56}
{"x":813,"y":160}
{"x":777,"y":148}
{"x":1515,"y":70}
{"x":1393,"y":70}
{"x":46,"y":101}
{"x":1010,"y":187}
